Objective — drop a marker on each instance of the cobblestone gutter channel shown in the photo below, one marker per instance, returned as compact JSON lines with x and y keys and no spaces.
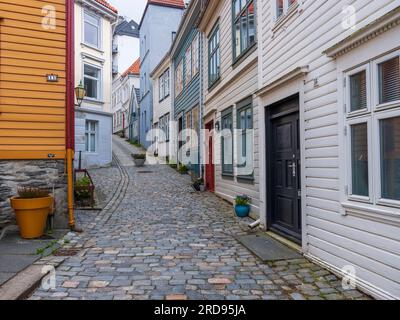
{"x":157,"y":239}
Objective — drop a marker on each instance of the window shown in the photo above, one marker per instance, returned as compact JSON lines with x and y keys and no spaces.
{"x":245,"y":137}
{"x":373,"y":131}
{"x":195,"y":55}
{"x":244,"y":27}
{"x":90,"y":136}
{"x":283,"y":6}
{"x":92,"y":29}
{"x":164,"y":125}
{"x":389,"y":80}
{"x":179,"y":78}
{"x":195,"y":127}
{"x":227,"y":142}
{"x":163,"y":83}
{"x":92,"y":82}
{"x":213,"y":57}
{"x":188,"y":65}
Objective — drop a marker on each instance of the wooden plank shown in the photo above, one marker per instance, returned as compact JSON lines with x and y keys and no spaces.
{"x":31,"y":94}
{"x":36,"y":4}
{"x":33,"y":57}
{"x":49,"y":66}
{"x":30,"y":118}
{"x":32,"y":125}
{"x":31,"y":148}
{"x":32,"y":133}
{"x":33,"y":33}
{"x":34,"y":13}
{"x":32,"y":102}
{"x":29,"y":79}
{"x":32,"y":110}
{"x":29,"y":154}
{"x":32,"y":48}
{"x":41,"y":87}
{"x":32,"y":41}
{"x":13,"y":141}
{"x":29,"y":71}
{"x":23,"y":26}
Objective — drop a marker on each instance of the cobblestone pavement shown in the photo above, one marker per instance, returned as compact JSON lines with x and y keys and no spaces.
{"x":158,"y":239}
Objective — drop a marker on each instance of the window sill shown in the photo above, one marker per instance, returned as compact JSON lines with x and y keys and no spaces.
{"x":96,"y":101}
{"x":238,"y":60}
{"x":247,"y":179}
{"x":372,"y":212}
{"x":285,"y":17}
{"x":87,"y":45}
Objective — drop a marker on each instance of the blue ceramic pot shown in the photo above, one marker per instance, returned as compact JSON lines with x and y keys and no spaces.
{"x":242,"y":211}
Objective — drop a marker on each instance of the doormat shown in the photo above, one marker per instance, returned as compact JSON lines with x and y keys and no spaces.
{"x":268,"y":249}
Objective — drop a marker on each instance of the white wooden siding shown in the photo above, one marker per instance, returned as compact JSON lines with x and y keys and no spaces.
{"x":236,"y":84}
{"x":371,"y":245}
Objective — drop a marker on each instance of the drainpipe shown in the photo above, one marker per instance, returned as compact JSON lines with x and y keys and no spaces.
{"x":70,"y":106}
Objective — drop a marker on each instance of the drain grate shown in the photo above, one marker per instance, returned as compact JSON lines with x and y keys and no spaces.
{"x":66,"y":252}
{"x":145,"y":172}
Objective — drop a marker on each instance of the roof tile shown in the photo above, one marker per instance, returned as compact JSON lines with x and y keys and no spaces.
{"x":107,"y":5}
{"x":133,"y":69}
{"x":170,"y":3}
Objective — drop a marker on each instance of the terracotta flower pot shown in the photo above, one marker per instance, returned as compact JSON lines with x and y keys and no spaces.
{"x":31,"y":215}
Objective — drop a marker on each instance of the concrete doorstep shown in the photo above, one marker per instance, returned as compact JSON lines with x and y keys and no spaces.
{"x":22,"y":284}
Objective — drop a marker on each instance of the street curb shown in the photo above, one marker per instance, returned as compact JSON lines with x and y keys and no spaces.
{"x":24,"y":283}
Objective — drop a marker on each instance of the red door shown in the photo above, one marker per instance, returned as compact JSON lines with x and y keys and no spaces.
{"x":210,"y":178}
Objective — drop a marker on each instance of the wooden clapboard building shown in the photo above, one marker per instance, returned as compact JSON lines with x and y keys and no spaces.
{"x":36,"y":102}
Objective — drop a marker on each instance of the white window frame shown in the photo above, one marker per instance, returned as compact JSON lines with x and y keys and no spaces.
{"x":352,"y":196}
{"x":99,"y":81}
{"x":387,"y":114}
{"x":372,"y":116}
{"x":366,"y":68}
{"x":90,"y":133}
{"x":99,"y":26}
{"x":375,"y":75}
{"x":286,"y":8}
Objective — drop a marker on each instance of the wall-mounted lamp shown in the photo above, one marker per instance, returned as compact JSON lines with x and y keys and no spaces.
{"x":80,"y":93}
{"x":217,"y":126}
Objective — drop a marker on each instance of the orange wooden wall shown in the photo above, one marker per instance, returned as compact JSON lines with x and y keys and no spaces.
{"x":32,"y":111}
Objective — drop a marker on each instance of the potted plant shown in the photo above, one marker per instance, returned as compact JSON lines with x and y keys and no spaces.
{"x":242,"y":206}
{"x":84,"y":190}
{"x":198,"y":185}
{"x":183,"y":169}
{"x":32,"y":207}
{"x":139,"y":159}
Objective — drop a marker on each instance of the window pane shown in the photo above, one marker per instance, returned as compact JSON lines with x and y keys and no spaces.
{"x":389,"y":81}
{"x":359,"y":159}
{"x":237,"y":38}
{"x":252,"y":29}
{"x":91,"y":88}
{"x":92,"y":143}
{"x":237,"y":7}
{"x":243,"y":31}
{"x":227,"y":145}
{"x":358,"y":91}
{"x":91,"y":71}
{"x":390,"y":158}
{"x":87,"y":142}
{"x":279,"y":8}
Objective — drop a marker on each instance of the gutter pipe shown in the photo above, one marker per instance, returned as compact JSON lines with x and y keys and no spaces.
{"x":70,"y":109}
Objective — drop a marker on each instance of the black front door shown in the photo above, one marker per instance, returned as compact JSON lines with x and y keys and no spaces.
{"x":285,"y":178}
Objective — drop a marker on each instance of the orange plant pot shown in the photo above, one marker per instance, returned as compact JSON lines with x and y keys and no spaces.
{"x":31,"y":215}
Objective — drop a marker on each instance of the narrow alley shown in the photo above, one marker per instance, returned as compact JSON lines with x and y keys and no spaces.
{"x":158,"y":239}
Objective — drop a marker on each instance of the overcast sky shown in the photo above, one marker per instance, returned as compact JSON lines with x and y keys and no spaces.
{"x":130,"y":8}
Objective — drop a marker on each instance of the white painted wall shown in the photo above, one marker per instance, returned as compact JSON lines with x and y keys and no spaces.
{"x":99,"y":110}
{"x":335,"y":235}
{"x":237,"y":83}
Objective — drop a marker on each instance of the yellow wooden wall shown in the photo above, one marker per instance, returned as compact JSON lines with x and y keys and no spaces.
{"x":32,"y":111}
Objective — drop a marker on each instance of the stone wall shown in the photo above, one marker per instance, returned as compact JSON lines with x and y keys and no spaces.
{"x":34,"y":173}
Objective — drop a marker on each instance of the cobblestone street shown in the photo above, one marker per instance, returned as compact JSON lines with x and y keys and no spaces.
{"x":158,"y":239}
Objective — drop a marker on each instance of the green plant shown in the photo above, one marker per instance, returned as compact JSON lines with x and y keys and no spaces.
{"x":183,"y":169}
{"x":136,"y":144}
{"x":82,"y":190}
{"x":32,"y":193}
{"x":242,"y":200}
{"x":140,"y":156}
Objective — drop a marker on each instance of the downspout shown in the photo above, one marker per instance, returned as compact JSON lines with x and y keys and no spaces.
{"x":70,"y":108}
